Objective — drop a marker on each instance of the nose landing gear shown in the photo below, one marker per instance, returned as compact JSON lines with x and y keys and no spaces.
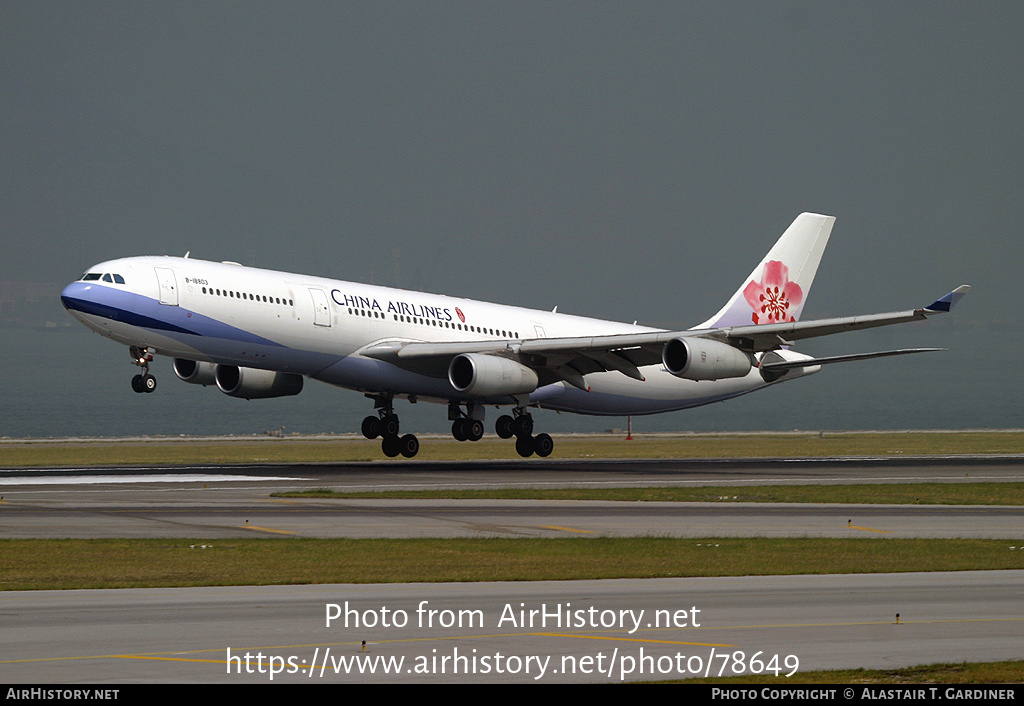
{"x":142,"y":358}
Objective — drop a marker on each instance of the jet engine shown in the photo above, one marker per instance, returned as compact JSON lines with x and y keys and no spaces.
{"x":704,"y":359}
{"x":194,"y":372}
{"x":251,"y":383}
{"x":490,"y":375}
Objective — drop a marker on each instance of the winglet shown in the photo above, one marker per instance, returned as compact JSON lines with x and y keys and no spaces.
{"x":949,"y":301}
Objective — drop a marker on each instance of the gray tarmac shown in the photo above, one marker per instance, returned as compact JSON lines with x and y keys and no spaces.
{"x":217,"y":515}
{"x":497,"y":632}
{"x":745,"y":623}
{"x":219,"y":502}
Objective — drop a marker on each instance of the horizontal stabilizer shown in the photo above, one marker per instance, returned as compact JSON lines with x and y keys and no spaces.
{"x":807,"y":362}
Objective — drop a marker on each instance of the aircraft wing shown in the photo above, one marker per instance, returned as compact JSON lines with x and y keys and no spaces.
{"x":804,"y":362}
{"x":768,"y":337}
{"x":568,"y":359}
{"x":554,"y":359}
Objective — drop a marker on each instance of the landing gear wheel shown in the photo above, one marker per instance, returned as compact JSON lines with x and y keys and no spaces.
{"x":409,"y":445}
{"x":459,"y":430}
{"x":524,"y":446}
{"x":523,"y":426}
{"x":543,"y":445}
{"x":389,"y":425}
{"x":371,"y":427}
{"x":474,"y":429}
{"x":504,"y":427}
{"x":391,"y":446}
{"x":142,"y":358}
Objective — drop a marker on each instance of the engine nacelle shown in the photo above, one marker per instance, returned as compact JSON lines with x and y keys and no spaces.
{"x":195,"y":372}
{"x":251,"y":383}
{"x":703,"y":359}
{"x":490,"y":375}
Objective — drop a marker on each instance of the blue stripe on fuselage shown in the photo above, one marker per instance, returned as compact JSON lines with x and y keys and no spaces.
{"x":137,"y":310}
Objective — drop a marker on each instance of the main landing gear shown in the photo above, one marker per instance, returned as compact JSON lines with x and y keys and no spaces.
{"x":143,"y":382}
{"x":467,"y":425}
{"x":520,"y":425}
{"x":385,"y":425}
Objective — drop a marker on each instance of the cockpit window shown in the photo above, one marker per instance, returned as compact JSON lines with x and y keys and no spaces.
{"x":105,"y":276}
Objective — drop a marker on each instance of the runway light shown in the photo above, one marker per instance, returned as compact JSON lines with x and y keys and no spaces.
{"x":897,"y":618}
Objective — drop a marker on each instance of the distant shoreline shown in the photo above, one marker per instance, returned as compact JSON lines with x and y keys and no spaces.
{"x":349,"y":436}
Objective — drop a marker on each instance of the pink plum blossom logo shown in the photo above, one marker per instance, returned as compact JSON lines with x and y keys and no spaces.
{"x":774,"y":296}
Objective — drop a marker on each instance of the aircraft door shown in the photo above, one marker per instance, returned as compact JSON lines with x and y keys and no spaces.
{"x":168,"y":286}
{"x":321,"y":307}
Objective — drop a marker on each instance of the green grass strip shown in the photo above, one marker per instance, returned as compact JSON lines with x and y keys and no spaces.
{"x":1009,"y":672}
{"x":122,"y":563}
{"x":33,"y":453}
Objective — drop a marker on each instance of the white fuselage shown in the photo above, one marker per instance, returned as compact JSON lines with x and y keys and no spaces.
{"x":228,"y":314}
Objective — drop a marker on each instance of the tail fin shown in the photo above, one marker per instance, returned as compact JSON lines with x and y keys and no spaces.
{"x":777,"y":288}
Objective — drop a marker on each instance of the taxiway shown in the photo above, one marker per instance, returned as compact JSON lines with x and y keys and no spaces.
{"x":242,"y":634}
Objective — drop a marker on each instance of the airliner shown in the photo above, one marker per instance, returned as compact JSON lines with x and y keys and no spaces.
{"x":258,"y":333}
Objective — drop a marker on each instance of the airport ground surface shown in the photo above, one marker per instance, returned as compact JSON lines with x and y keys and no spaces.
{"x":819,"y":622}
{"x":183,"y":634}
{"x":228,"y":501}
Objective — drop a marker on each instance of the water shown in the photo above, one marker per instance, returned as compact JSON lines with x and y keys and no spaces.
{"x":67,"y":381}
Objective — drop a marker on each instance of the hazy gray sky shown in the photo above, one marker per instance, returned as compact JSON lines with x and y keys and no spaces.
{"x":623,"y":160}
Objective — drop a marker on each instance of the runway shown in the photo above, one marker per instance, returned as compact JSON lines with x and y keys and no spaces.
{"x":208,"y":514}
{"x":228,"y":501}
{"x":814,"y":622}
{"x":707,"y":626}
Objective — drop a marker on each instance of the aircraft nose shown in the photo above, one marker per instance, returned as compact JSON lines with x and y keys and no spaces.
{"x":71,"y":294}
{"x":82,"y":298}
